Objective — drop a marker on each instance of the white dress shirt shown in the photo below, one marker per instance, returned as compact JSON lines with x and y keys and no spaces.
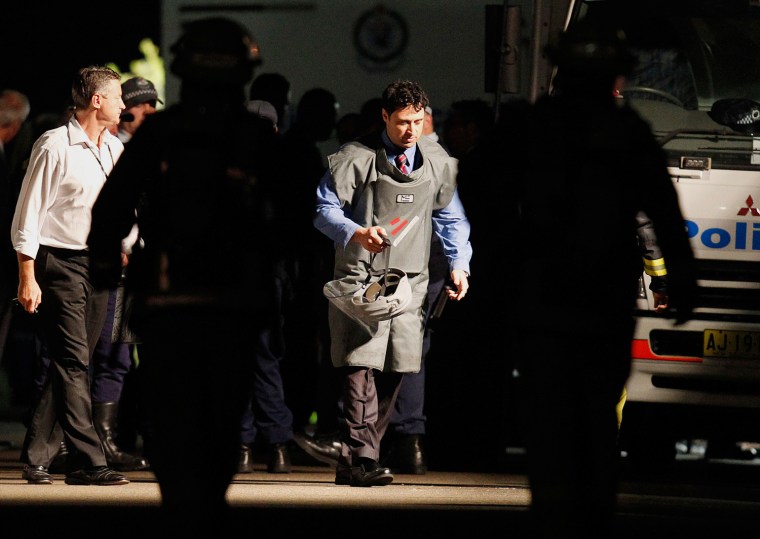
{"x":65,"y":175}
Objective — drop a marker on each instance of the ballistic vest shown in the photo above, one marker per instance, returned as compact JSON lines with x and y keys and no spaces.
{"x":379,"y":194}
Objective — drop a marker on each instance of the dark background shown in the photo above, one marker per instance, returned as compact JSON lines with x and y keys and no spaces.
{"x":44,"y":43}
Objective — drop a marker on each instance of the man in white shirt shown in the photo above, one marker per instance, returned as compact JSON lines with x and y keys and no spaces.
{"x":67,"y":168}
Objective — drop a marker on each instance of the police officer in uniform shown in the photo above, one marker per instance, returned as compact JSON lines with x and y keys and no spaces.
{"x":198,"y":174}
{"x":581,"y":166}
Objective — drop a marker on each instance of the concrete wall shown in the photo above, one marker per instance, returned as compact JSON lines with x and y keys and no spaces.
{"x":311,"y":42}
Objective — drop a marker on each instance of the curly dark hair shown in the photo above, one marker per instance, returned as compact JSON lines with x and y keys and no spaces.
{"x":402,"y":93}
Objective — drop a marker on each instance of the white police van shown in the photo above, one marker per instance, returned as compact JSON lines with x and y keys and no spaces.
{"x":698,"y":84}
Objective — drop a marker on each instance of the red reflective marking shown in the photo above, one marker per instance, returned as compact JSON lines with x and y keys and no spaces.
{"x":640,"y":350}
{"x":400,"y":227}
{"x":395,"y":220}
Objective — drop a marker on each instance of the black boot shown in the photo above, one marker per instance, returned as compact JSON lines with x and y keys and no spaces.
{"x":245,"y":464}
{"x":406,"y":455}
{"x":104,"y":416}
{"x":278,"y":458}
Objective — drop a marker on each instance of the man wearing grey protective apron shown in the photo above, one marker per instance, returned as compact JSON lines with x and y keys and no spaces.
{"x":390,"y":188}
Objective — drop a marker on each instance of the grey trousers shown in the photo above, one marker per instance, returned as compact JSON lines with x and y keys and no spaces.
{"x":368,"y":399}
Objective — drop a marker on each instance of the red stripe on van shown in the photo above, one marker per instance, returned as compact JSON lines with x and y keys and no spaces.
{"x":640,"y":350}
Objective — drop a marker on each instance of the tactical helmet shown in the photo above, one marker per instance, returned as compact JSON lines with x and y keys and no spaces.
{"x":591,"y":46}
{"x":215,"y":50}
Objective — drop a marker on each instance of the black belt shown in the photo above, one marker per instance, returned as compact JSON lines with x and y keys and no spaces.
{"x":60,"y":252}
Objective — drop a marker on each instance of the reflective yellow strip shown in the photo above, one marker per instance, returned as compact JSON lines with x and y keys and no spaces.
{"x":655,"y":268}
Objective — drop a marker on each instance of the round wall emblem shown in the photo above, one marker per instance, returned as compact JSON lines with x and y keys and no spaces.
{"x":380,"y":34}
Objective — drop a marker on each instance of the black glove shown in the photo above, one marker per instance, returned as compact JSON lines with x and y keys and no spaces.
{"x":682,"y":294}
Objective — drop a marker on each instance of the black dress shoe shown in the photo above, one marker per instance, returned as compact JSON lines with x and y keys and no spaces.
{"x":126,"y":462}
{"x":245,"y":464}
{"x":323,"y":451}
{"x":36,"y":475}
{"x":279,"y":459}
{"x":407,"y":455}
{"x":96,"y":475}
{"x":370,"y":474}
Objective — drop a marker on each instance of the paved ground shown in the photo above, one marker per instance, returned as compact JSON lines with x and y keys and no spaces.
{"x":307,"y":503}
{"x":264,"y":505}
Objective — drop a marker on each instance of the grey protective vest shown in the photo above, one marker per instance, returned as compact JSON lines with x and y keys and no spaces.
{"x":379,"y":194}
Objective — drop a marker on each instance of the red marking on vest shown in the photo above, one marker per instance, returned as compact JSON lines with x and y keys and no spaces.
{"x":395,"y":220}
{"x":400,"y":227}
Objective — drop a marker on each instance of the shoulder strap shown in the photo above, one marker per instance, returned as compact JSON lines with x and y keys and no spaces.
{"x":371,"y":273}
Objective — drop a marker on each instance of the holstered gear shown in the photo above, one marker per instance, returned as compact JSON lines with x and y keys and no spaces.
{"x":104,"y":416}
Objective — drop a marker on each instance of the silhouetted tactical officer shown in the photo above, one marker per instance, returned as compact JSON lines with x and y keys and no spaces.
{"x":580,"y":167}
{"x":198,"y":174}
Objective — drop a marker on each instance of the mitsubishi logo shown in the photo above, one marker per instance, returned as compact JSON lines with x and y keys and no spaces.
{"x":750,"y":208}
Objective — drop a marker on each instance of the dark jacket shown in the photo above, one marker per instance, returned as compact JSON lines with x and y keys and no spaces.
{"x":581,"y":169}
{"x":197,"y":178}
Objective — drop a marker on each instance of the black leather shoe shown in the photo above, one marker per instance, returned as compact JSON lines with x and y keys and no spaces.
{"x":125,"y":462}
{"x":370,"y":474}
{"x":407,"y":455}
{"x":245,"y":464}
{"x":323,"y":451}
{"x":36,"y":475}
{"x":279,"y":459}
{"x":97,"y":475}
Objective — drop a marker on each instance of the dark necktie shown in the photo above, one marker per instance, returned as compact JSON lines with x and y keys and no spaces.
{"x":401,"y":163}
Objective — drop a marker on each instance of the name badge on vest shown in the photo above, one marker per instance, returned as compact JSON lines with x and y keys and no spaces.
{"x":405,"y":199}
